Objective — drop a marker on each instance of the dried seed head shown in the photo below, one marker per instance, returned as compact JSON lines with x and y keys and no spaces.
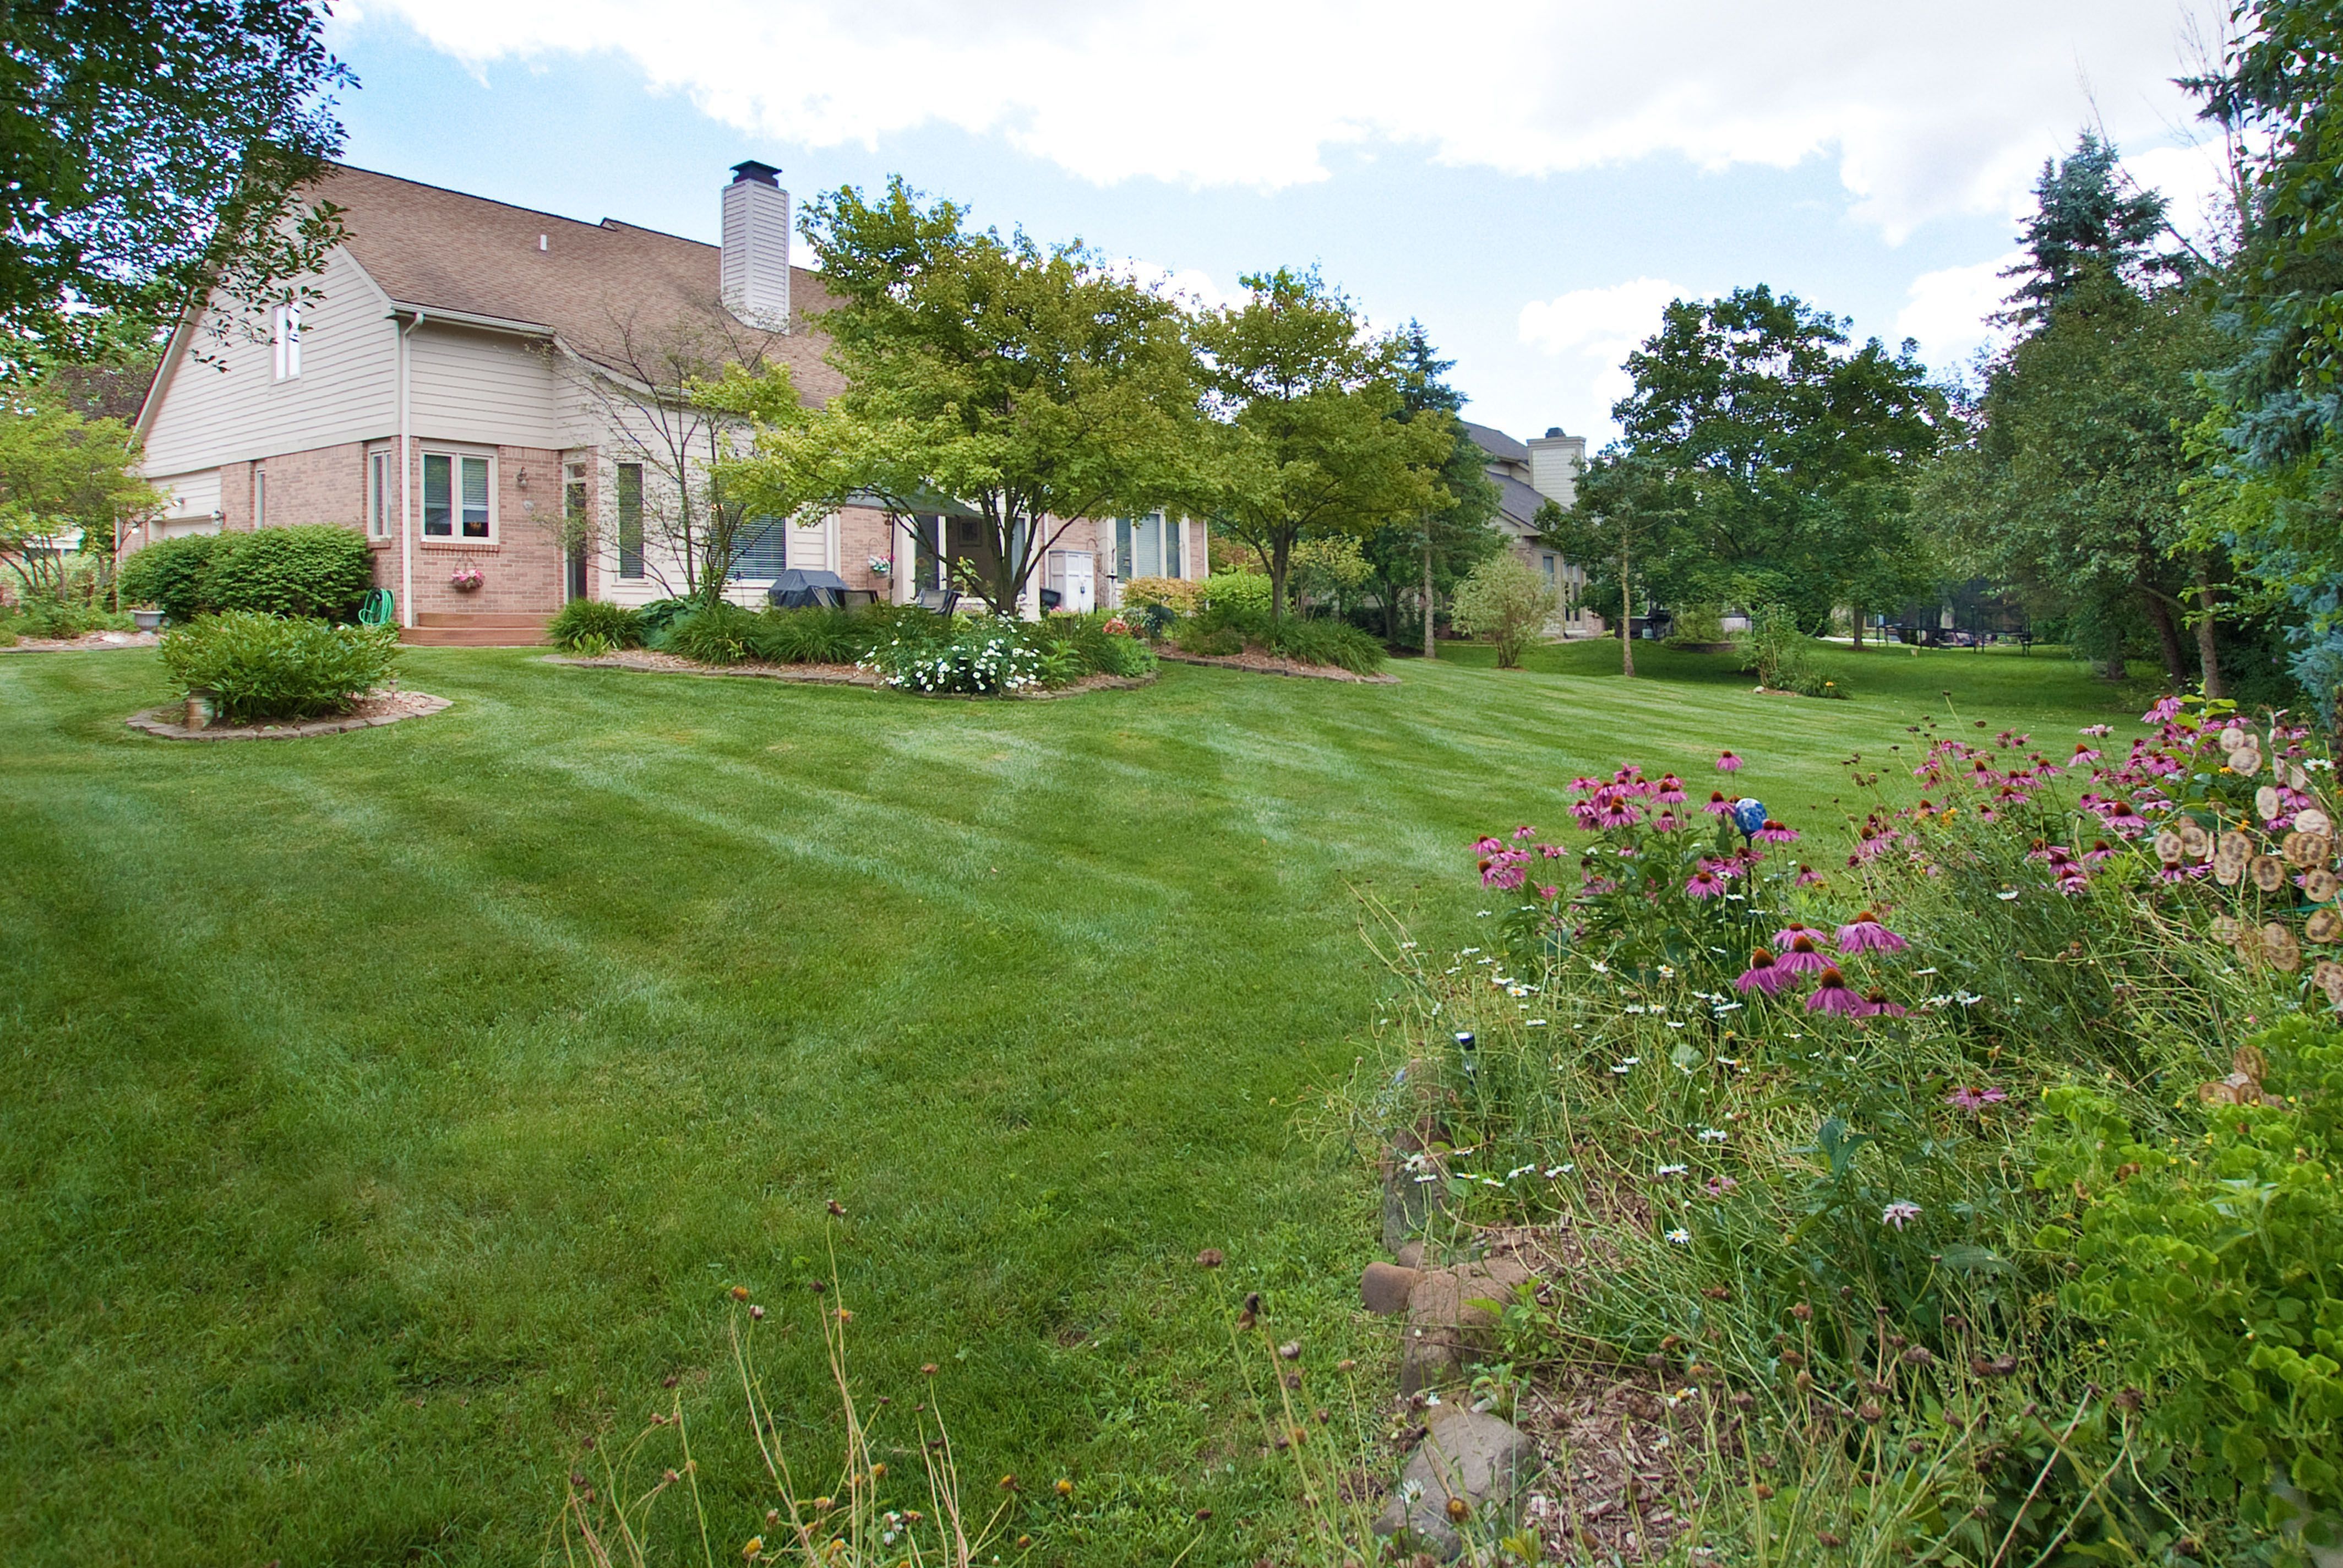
{"x":739,"y":1293}
{"x":1211,"y":1258}
{"x":1803,"y":1312}
{"x":1290,"y":1350}
{"x":1458,"y":1511}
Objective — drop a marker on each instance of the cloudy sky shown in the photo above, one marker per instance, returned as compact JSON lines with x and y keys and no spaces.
{"x":1531,"y":181}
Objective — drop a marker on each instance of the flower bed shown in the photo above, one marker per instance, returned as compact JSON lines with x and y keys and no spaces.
{"x":1877,"y":1148}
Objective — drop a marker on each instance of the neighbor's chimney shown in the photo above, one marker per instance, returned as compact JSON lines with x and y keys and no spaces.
{"x":756,"y":269}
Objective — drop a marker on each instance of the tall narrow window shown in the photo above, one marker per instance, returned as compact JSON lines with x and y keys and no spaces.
{"x":378,"y":495}
{"x":476,"y":498}
{"x":259,"y":497}
{"x":439,"y":496}
{"x":1123,"y":552}
{"x":630,"y":521}
{"x":1173,"y":529}
{"x":284,"y":335}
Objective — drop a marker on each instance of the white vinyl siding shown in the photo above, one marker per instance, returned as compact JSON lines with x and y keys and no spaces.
{"x":195,"y":496}
{"x":487,"y":388}
{"x":236,"y":410}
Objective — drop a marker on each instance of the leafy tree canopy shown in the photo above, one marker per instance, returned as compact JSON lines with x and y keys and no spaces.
{"x":1306,"y":438}
{"x":1778,"y":455}
{"x":1455,"y":534}
{"x":151,"y":151}
{"x":1034,"y":385}
{"x":62,"y":474}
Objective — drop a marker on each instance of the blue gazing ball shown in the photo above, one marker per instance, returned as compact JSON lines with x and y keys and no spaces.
{"x":1748,"y":814}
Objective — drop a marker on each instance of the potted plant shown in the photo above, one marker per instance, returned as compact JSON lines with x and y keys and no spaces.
{"x":466,"y":579}
{"x":147,"y":617}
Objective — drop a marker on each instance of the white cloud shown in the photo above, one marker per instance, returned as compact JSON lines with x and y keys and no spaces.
{"x":1947,"y":311}
{"x":1591,"y":331}
{"x":1926,"y":110}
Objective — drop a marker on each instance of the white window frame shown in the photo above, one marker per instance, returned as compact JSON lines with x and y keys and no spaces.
{"x":456,"y":457}
{"x":379,"y":492}
{"x":285,"y":340}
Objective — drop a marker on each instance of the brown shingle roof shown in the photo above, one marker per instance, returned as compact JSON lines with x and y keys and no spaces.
{"x":434,"y":247}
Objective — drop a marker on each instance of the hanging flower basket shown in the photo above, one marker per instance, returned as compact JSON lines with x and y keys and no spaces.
{"x":466,"y":579}
{"x":880,"y":566}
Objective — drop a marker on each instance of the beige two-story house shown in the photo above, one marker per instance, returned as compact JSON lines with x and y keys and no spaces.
{"x":474,"y":386}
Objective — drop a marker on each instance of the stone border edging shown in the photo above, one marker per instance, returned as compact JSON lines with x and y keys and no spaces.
{"x":149,"y":722}
{"x":1303,"y":672}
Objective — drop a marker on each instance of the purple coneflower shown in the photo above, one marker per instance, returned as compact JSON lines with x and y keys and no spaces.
{"x":1864,"y":934}
{"x":2097,"y":731}
{"x":1792,"y":932}
{"x":1899,"y":1213}
{"x":1671,"y":791}
{"x":1616,"y":811}
{"x":1772,"y":832}
{"x":1705,"y":884}
{"x":1809,"y":877}
{"x":1718,"y":806}
{"x":1551,"y":851}
{"x":2097,"y":853}
{"x":1727,"y":762}
{"x":1833,"y":994}
{"x":1875,"y":1003}
{"x":1804,"y":958}
{"x":1486,"y":846}
{"x":1975,"y":1098}
{"x":1665,"y":822}
{"x":1549,"y":892}
{"x":1525,"y":831}
{"x":1762,"y":975}
{"x":2126,"y":820}
{"x":1718,"y":1186}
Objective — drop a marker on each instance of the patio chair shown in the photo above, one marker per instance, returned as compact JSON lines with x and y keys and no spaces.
{"x":943,"y":601}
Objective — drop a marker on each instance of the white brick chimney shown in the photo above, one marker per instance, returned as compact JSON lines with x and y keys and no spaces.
{"x":1556,"y":461}
{"x":756,"y":267}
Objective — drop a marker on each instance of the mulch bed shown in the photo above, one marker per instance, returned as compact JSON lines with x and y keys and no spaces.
{"x":87,"y":641}
{"x":1275,"y":664}
{"x":370,"y":712}
{"x":650,"y":662}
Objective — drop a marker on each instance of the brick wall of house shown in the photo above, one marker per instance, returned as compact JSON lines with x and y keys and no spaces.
{"x":863,"y":533}
{"x":522,"y":566}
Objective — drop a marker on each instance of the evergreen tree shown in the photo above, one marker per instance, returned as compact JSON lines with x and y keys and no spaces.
{"x":2084,"y":225}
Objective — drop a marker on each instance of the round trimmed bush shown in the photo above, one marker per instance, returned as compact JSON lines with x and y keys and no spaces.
{"x":315,"y":570}
{"x":170,"y":574}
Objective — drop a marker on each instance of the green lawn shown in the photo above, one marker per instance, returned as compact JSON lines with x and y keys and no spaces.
{"x":385,"y":1113}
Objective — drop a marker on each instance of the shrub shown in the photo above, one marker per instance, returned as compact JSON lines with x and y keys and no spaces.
{"x":1178,"y":595}
{"x":592,"y":644}
{"x":813,"y":636}
{"x":65,"y":619}
{"x":1090,"y":646}
{"x":721,"y":633}
{"x":1224,"y":631}
{"x":170,"y":574}
{"x":1781,"y":655}
{"x":658,"y":616}
{"x":7,"y":636}
{"x":977,"y":656}
{"x":1504,"y":601}
{"x":315,"y":570}
{"x":1696,"y":625}
{"x":276,"y":667}
{"x":615,"y":624}
{"x":1236,"y":590}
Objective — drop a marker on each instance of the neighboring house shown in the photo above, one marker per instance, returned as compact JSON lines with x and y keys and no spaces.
{"x":1527,"y":475}
{"x":455,"y":389}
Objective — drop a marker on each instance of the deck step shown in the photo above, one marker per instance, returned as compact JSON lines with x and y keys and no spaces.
{"x":462,"y":628}
{"x":496,"y":620}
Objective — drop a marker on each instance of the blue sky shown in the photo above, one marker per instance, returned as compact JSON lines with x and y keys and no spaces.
{"x":1531,"y":181}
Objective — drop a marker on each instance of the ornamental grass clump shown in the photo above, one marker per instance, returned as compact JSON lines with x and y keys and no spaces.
{"x":262,"y":667}
{"x":1847,"y":1137}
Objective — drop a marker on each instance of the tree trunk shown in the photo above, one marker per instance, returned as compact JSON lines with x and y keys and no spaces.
{"x":1626,"y":614}
{"x":2208,"y":654}
{"x":2168,"y":636}
{"x":1429,"y":650}
{"x":1277,"y":568}
{"x":1854,"y":618}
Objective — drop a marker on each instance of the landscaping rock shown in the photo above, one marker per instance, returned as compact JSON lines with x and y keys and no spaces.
{"x":1383,"y":1288}
{"x":1448,"y":1327}
{"x":1410,"y":1256}
{"x":1480,"y":1459}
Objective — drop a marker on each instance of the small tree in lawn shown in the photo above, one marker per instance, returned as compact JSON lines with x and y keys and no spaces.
{"x":1306,"y":438}
{"x":1504,"y":601}
{"x":1036,"y":386}
{"x":1429,"y":553}
{"x":1628,"y":513}
{"x":63,"y":474}
{"x":649,"y":381}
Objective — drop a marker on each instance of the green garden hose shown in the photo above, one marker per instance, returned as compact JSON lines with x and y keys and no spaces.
{"x":377,"y":610}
